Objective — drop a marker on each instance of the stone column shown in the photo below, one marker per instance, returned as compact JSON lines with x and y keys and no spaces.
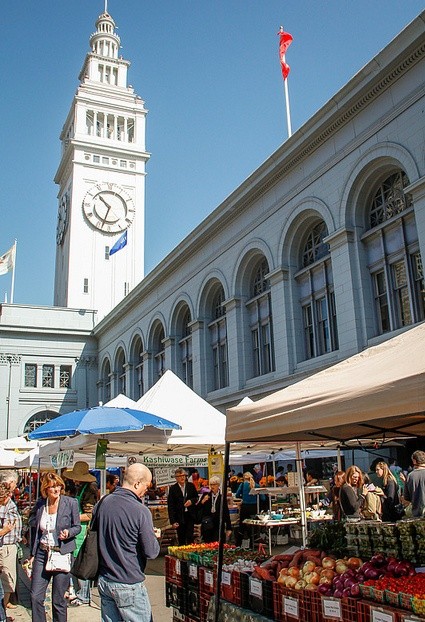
{"x":198,"y":356}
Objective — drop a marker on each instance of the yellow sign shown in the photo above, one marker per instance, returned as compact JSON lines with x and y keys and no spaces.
{"x":215,"y":465}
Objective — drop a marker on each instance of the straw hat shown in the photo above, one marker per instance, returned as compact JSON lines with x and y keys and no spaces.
{"x":79,"y":472}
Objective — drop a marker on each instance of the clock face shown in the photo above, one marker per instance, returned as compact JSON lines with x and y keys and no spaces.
{"x":108,"y":207}
{"x":62,"y":219}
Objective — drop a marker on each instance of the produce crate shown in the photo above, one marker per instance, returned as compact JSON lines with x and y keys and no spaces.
{"x":287,"y":605}
{"x":342,"y":609}
{"x":392,"y":598}
{"x":173,"y":570}
{"x":366,"y":591}
{"x":177,"y":616}
{"x":261,"y":596}
{"x":312,"y":606}
{"x":244,"y":583}
{"x":365,"y":609}
{"x":204,"y":602}
{"x":175,"y":597}
{"x":207,"y":581}
{"x":231,"y":587}
{"x":192,"y":607}
{"x":405,"y":601}
{"x":378,"y":595}
{"x":418,"y":605}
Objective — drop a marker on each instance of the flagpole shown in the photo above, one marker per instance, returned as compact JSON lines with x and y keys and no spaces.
{"x":288,"y":112}
{"x":12,"y":287}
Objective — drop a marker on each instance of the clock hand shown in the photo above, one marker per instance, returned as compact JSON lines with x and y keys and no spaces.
{"x":107,"y":211}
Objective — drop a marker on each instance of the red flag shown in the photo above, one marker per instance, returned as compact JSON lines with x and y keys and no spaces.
{"x":285,"y":40}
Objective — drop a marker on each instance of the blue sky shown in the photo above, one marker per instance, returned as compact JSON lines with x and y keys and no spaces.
{"x":209,"y":74}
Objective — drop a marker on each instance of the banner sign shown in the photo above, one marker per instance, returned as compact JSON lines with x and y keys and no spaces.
{"x":173,"y":461}
{"x":101,"y":448}
{"x":62,"y":459}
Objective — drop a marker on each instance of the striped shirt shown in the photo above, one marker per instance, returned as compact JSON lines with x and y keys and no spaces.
{"x":9,"y":514}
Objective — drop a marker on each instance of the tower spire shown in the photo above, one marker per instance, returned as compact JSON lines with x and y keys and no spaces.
{"x":106,"y":6}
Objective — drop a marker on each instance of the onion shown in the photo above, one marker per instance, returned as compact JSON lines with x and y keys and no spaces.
{"x":371,"y":573}
{"x":346,"y":592}
{"x":348,"y":583}
{"x":324,"y":589}
{"x":338,"y":594}
{"x":355,"y":589}
{"x":378,"y":560}
{"x":354,"y":562}
{"x":328,"y":562}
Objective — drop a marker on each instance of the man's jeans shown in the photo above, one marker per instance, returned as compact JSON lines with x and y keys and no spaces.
{"x":124,"y":602}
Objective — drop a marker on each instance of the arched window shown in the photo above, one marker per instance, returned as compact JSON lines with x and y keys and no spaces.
{"x":260,"y":320}
{"x":317,"y":298}
{"x":159,"y":352}
{"x":39,"y":419}
{"x":121,"y":373}
{"x":218,"y":337}
{"x":137,"y":368}
{"x":106,"y":382}
{"x":185,"y":347}
{"x":393,"y":256}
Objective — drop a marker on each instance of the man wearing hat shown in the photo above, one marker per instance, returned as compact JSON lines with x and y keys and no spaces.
{"x":87,"y":495}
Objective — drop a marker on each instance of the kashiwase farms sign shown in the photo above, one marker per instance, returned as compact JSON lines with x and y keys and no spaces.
{"x":170,"y":461}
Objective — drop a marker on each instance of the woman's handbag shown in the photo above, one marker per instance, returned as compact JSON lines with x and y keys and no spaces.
{"x":56,"y":562}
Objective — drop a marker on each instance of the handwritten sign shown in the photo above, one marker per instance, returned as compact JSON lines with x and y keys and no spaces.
{"x":255,"y":587}
{"x":290,"y":607}
{"x":379,"y":615}
{"x":331,"y":608}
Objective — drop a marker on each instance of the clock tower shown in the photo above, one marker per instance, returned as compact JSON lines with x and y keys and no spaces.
{"x":101,"y":179}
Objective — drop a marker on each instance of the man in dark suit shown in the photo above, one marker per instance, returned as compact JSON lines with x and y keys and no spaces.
{"x":182,"y":500}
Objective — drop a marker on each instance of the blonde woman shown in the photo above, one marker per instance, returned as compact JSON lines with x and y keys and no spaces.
{"x":248,"y":506}
{"x":390,"y":488}
{"x":353,"y":493}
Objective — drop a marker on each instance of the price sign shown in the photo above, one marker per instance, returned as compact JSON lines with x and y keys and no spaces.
{"x":178,"y":567}
{"x":255,"y":587}
{"x":209,"y":578}
{"x":409,"y":618}
{"x":193,"y":571}
{"x":331,"y":608}
{"x":226,"y":578}
{"x":379,"y":615}
{"x":290,"y":607}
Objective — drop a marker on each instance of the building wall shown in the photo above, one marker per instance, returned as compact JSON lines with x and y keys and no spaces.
{"x":44,"y":336}
{"x":325,"y":171}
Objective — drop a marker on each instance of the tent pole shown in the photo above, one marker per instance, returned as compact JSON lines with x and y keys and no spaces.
{"x":221,"y":532}
{"x":338,"y":458}
{"x":302,"y":495}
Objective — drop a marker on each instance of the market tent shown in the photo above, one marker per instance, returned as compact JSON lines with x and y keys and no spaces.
{"x":376,"y":394}
{"x":7,"y":459}
{"x":201,"y":424}
{"x":121,"y":401}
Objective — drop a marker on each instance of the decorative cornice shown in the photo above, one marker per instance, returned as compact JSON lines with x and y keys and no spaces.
{"x":277,"y":276}
{"x":12,"y":359}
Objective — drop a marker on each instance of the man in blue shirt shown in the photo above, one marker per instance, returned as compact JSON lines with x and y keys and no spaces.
{"x":126,"y":541}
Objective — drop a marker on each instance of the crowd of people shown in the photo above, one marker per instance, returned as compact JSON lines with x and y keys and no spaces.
{"x":127,"y":539}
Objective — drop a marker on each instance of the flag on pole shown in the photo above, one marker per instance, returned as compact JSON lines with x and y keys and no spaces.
{"x":285,"y":40}
{"x":7,"y":261}
{"x":119,"y":244}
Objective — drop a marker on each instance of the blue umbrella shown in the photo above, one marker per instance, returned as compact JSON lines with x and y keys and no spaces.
{"x":100,"y":420}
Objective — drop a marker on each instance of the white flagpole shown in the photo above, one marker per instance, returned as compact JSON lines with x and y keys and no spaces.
{"x":288,"y":113}
{"x":12,"y":287}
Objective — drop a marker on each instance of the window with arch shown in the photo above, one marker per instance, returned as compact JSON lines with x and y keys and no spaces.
{"x":316,"y":291}
{"x":159,"y":352}
{"x":218,"y":339}
{"x":259,"y":309}
{"x":185,"y":348}
{"x":393,"y":255}
{"x":106,"y":382}
{"x":121,"y":369}
{"x":137,"y":368}
{"x":39,"y":419}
